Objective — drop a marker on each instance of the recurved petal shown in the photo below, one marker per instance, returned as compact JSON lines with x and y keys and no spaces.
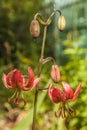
{"x":68,"y":91}
{"x":17,"y":79}
{"x":9,"y":76}
{"x":36,"y":81}
{"x":27,"y":88}
{"x":17,"y":76}
{"x":50,"y":91}
{"x":4,"y":79}
{"x":29,"y":83}
{"x":76,"y":93}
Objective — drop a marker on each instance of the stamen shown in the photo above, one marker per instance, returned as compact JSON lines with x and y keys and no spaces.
{"x":70,"y":110}
{"x":63,"y":108}
{"x":16,"y":100}
{"x":9,"y":99}
{"x":25,"y":102}
{"x":58,"y":113}
{"x":63,"y":112}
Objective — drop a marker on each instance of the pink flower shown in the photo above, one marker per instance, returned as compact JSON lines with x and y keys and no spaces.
{"x":58,"y":96}
{"x":15,"y":80}
{"x":55,"y":73}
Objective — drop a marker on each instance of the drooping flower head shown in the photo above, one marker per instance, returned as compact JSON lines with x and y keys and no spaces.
{"x":67,"y":95}
{"x":15,"y":80}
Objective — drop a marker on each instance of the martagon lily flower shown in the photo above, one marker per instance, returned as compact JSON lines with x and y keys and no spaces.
{"x":63,"y":97}
{"x":15,"y":80}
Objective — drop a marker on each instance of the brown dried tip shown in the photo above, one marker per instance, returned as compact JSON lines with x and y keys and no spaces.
{"x":61,"y":23}
{"x":35,"y":28}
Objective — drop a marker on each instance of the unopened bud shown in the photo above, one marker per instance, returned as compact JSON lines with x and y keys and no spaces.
{"x":61,"y":23}
{"x":35,"y":29}
{"x":55,"y":73}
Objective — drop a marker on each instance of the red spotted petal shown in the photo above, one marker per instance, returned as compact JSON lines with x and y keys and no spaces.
{"x":68,"y":91}
{"x":14,"y":79}
{"x":4,"y":77}
{"x":7,"y":79}
{"x":9,"y":76}
{"x":17,"y":79}
{"x":76,"y":93}
{"x":29,"y":84}
{"x":55,"y":94}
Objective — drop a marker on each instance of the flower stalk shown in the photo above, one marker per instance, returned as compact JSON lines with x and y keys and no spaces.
{"x":42,"y":60}
{"x":39,"y":73}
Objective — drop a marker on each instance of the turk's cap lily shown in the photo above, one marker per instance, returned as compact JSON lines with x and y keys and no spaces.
{"x":55,"y":73}
{"x":58,"y":96}
{"x":55,"y":94}
{"x":69,"y":93}
{"x":15,"y":80}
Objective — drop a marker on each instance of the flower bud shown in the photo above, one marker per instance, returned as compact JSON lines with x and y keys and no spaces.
{"x":61,"y":23}
{"x":55,"y":73}
{"x":35,"y":29}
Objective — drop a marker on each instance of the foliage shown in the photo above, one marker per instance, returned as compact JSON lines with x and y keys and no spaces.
{"x":74,"y":71}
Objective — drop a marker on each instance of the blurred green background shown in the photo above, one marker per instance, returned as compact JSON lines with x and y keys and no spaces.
{"x":19,"y":50}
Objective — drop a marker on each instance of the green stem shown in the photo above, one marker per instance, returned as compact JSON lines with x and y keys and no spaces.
{"x":43,"y":42}
{"x":35,"y":107}
{"x":42,"y":89}
{"x":39,"y":73}
{"x":42,"y":60}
